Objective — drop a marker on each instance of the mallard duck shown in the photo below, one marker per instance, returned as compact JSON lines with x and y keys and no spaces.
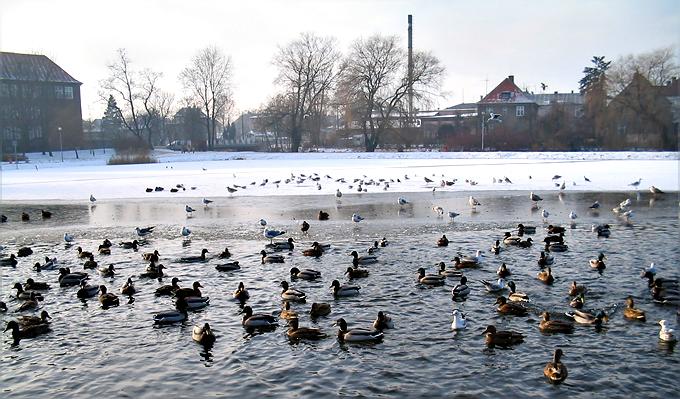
{"x":357,"y":334}
{"x":443,"y":241}
{"x":50,"y":264}
{"x":128,"y":288}
{"x":555,"y":326}
{"x":287,"y":245}
{"x":86,"y":290}
{"x":203,"y":335}
{"x":21,"y":294}
{"x":106,"y":243}
{"x":545,"y":259}
{"x":526,"y":229}
{"x":510,"y":308}
{"x":665,"y":295}
{"x":271,"y":258}
{"x":323,"y":215}
{"x":494,"y":286}
{"x":228,"y":267}
{"x":109,"y":271}
{"x":168,"y":289}
{"x":153,"y":273}
{"x":525,"y":244}
{"x":224,"y":254}
{"x":305,"y":274}
{"x":292,"y":294}
{"x":170,"y":316}
{"x":66,"y":278}
{"x":151,"y":256}
{"x":582,"y":317}
{"x":578,"y":301}
{"x":496,"y":248}
{"x":503,"y":271}
{"x":430,"y":279}
{"x":192,"y":302}
{"x":501,"y":338}
{"x":575,"y":289}
{"x":356,"y":272}
{"x":443,"y":271}
{"x":555,"y":229}
{"x":362,"y":260}
{"x":25,"y":321}
{"x":194,"y":291}
{"x":24,"y":251}
{"x":509,"y":239}
{"x":27,"y":332}
{"x":557,"y":247}
{"x":460,"y":264}
{"x":11,"y":261}
{"x":195,"y":259}
{"x":461,"y":291}
{"x":516,"y":296}
{"x":546,"y":276}
{"x":29,"y":303}
{"x":320,"y":309}
{"x":631,"y":313}
{"x":259,"y":320}
{"x":660,"y":281}
{"x":241,"y":294}
{"x":83,"y":254}
{"x":287,"y":313}
{"x":383,"y":322}
{"x":90,"y":263}
{"x":344,"y":290}
{"x":556,"y":238}
{"x":315,"y":250}
{"x":665,"y":334}
{"x":129,"y":244}
{"x":104,"y":250}
{"x":555,"y":371}
{"x":107,"y":299}
{"x":297,"y":332}
{"x":602,"y":230}
{"x":459,"y":322}
{"x":599,"y":262}
{"x":33,"y":285}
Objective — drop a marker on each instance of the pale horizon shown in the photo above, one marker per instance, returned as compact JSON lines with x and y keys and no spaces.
{"x":478,"y":44}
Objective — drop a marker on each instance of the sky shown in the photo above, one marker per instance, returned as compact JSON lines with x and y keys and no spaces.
{"x":479,"y":42}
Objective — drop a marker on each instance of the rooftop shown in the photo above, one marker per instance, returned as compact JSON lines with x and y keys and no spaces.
{"x":32,"y":68}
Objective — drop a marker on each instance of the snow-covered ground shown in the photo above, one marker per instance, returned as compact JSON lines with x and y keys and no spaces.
{"x":47,"y":178}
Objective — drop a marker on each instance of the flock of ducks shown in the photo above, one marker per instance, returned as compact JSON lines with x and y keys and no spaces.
{"x":509,"y":301}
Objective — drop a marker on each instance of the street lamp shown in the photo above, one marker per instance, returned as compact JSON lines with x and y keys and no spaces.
{"x":485,"y":123}
{"x":61,"y":145}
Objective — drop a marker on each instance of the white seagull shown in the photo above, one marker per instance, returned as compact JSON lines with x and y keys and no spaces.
{"x":636,"y":184}
{"x":271,"y":234}
{"x":144,"y":231}
{"x":473,"y":202}
{"x":534,"y":197}
{"x":189,"y":210}
{"x":459,"y":322}
{"x":207,"y":202}
{"x":572,"y":215}
{"x":185,"y":231}
{"x":666,"y":334}
{"x":545,"y":213}
{"x":356,"y":218}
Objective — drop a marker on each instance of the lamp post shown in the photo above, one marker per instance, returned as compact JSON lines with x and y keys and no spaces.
{"x":61,"y":145}
{"x":485,"y":123}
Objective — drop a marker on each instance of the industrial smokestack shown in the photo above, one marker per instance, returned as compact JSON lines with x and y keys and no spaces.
{"x":410,"y":70}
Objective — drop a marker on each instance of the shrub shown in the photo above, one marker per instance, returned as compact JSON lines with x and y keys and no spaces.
{"x":131,"y":158}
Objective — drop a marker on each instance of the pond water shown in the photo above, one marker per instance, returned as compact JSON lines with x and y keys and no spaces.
{"x":91,"y":351}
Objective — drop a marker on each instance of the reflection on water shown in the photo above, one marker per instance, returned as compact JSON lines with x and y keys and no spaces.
{"x":421,"y":356}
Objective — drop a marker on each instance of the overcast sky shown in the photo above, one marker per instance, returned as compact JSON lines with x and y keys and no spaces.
{"x":537,"y":41}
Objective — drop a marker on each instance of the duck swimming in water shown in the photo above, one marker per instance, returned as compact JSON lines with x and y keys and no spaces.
{"x":292,"y":294}
{"x":305,"y":274}
{"x":271,"y":258}
{"x":599,"y":262}
{"x":503,"y":271}
{"x":443,"y":241}
{"x":320,"y":309}
{"x":383,"y":322}
{"x":510,"y":308}
{"x":462,"y":290}
{"x":27,"y":332}
{"x":555,"y":326}
{"x":241,"y":294}
{"x":362,"y":260}
{"x":443,"y":271}
{"x":168,"y":289}
{"x":587,"y":318}
{"x":494,"y":337}
{"x":357,"y":334}
{"x":430,"y":279}
{"x":546,"y":276}
{"x":257,"y":320}
{"x":516,"y":296}
{"x":631,"y":313}
{"x":344,"y":290}
{"x":576,"y":289}
{"x":297,"y":332}
{"x":356,"y":272}
{"x":203,"y":335}
{"x":545,"y":259}
{"x":555,"y":371}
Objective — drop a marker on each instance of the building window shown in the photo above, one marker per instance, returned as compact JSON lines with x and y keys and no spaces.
{"x":519,"y":111}
{"x":68,"y":92}
{"x":59,"y":91}
{"x":505,"y":96}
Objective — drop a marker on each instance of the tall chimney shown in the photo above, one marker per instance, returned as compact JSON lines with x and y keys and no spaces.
{"x":511,"y":78}
{"x":410,"y":70}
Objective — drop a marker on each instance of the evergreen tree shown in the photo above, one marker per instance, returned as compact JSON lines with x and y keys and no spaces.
{"x":112,"y":122}
{"x":593,"y":74}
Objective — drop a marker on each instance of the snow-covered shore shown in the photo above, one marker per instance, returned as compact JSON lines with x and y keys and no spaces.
{"x":47,"y":178}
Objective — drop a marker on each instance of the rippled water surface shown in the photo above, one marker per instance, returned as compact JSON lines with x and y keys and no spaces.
{"x":119,"y":352}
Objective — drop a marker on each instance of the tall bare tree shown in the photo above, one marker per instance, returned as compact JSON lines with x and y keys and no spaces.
{"x":376,"y":77}
{"x":208,"y":79}
{"x":308,"y":68}
{"x":658,"y":66}
{"x":134,"y":93}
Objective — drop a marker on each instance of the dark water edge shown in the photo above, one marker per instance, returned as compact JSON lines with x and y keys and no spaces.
{"x":91,"y":351}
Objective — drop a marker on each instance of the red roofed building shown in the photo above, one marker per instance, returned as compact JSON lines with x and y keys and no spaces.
{"x":37,"y":98}
{"x":518,"y":112}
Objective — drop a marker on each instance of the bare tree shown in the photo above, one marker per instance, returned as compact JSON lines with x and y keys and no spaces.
{"x":308,"y":68}
{"x":133,"y":91}
{"x":657,"y":66}
{"x":376,"y":77}
{"x":208,"y":79}
{"x":162,"y":106}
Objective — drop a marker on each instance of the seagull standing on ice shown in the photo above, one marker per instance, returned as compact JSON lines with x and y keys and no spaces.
{"x":338,"y":194}
{"x":453,"y":215}
{"x":68,"y":237}
{"x":92,"y":199}
{"x":573,"y":216}
{"x":402,"y":201}
{"x":595,"y":205}
{"x":356,"y":218}
{"x":636,"y":184}
{"x":263,"y":222}
{"x":545,"y":214}
{"x":473,"y":202}
{"x":185,"y":232}
{"x":271,"y":234}
{"x":189,"y":210}
{"x":535,"y":198}
{"x":207,"y":202}
{"x":144,"y":231}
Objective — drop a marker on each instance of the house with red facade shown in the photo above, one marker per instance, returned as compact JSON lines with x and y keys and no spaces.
{"x":40,"y":106}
